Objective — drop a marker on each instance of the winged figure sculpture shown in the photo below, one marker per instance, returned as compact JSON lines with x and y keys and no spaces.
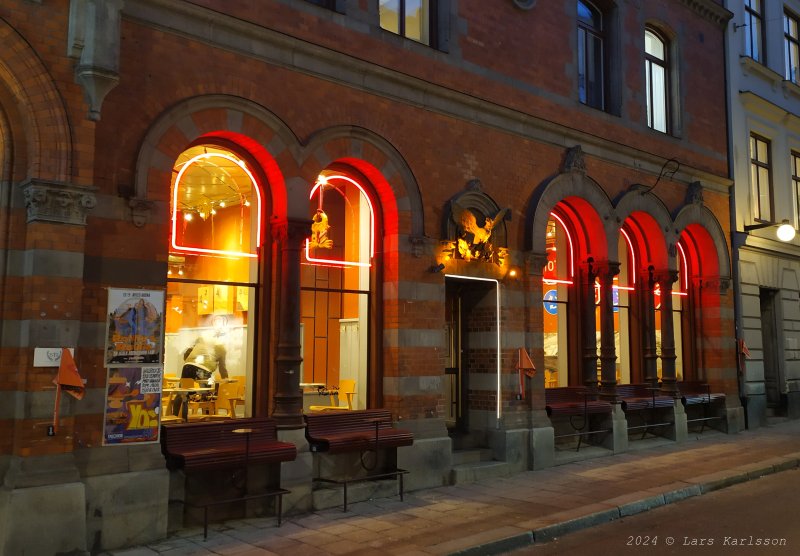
{"x":469,"y":224}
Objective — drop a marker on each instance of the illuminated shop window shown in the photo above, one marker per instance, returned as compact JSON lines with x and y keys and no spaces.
{"x":335,"y":284}
{"x":557,"y":277}
{"x":212,"y":274}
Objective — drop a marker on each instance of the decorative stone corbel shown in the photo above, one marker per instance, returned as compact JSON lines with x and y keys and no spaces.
{"x":140,"y":211}
{"x":574,"y":160}
{"x":694,"y":193}
{"x":58,"y":202}
{"x":417,"y":245}
{"x":94,"y":38}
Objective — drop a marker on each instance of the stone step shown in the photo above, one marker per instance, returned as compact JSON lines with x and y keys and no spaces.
{"x":326,"y":495}
{"x":472,"y":472}
{"x":471,"y":456}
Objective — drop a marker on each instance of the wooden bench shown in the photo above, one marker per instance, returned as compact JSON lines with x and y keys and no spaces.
{"x":644,"y":400}
{"x":359,"y":431}
{"x":212,"y":445}
{"x":698,"y":393}
{"x":577,"y":404}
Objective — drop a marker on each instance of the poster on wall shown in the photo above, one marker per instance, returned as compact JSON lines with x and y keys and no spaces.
{"x":133,"y":405}
{"x":135,"y":327}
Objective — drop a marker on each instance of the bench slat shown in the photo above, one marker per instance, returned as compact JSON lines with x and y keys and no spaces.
{"x":353,"y":431}
{"x":213,"y":444}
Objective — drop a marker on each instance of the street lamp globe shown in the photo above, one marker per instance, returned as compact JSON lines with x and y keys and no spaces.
{"x":785,"y":231}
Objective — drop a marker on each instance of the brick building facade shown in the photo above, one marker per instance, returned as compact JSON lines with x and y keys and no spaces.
{"x":476,"y":161}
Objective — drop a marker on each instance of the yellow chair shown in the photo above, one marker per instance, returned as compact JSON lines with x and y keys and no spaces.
{"x":227,"y":399}
{"x":347,"y":387}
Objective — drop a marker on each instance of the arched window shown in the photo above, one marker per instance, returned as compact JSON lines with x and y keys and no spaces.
{"x":557,"y":279}
{"x":212,"y":274}
{"x":591,"y":55}
{"x":657,"y":80}
{"x":335,"y":283}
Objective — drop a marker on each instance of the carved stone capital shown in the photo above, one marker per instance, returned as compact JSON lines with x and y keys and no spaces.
{"x":140,"y":211}
{"x":58,"y":202}
{"x":535,"y":263}
{"x":291,"y":232}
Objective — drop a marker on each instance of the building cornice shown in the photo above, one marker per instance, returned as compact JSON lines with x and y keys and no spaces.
{"x":709,"y":10}
{"x":199,"y":23}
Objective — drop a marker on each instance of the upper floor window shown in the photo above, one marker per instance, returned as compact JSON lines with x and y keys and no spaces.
{"x":656,"y":72}
{"x":760,"y":179}
{"x":591,"y":56}
{"x":792,"y":46}
{"x":413,"y":19}
{"x":754,"y":29}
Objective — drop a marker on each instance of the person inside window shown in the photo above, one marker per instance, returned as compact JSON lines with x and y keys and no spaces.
{"x":201,"y":361}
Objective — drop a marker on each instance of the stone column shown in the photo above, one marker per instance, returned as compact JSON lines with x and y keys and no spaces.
{"x":288,"y":397}
{"x":668,"y":377}
{"x":588,"y":331}
{"x":647,"y":287}
{"x":608,"y":351}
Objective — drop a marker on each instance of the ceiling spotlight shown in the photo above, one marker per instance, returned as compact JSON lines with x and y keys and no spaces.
{"x":187,"y":216}
{"x":246,"y":203}
{"x":222,"y":204}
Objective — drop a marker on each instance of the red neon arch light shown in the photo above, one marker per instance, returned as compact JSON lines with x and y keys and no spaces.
{"x":200,"y":250}
{"x":571,"y":254}
{"x":324,"y":180}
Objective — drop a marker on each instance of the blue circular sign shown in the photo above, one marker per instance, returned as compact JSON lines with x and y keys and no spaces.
{"x":550,"y":305}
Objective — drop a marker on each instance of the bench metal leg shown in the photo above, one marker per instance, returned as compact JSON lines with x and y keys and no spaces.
{"x":400,"y":477}
{"x":345,"y":496}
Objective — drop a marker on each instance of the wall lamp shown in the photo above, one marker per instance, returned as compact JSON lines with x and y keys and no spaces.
{"x":438,"y":268}
{"x":785,"y":231}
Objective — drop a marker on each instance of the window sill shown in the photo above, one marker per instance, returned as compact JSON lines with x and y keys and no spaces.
{"x":754,"y":67}
{"x":791,"y":89}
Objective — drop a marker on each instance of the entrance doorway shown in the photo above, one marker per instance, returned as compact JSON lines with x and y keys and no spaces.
{"x":771,"y":342}
{"x":471,"y":365}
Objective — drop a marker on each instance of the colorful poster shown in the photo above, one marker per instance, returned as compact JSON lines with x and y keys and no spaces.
{"x":133,"y":405}
{"x":135,"y":327}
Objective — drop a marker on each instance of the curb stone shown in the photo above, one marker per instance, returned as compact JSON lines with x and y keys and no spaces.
{"x":552,"y":532}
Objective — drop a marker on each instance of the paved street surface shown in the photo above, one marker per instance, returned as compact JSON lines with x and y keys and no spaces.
{"x":500,"y":515}
{"x":753,"y":518}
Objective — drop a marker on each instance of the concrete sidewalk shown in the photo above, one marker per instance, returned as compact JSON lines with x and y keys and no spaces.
{"x":494,"y":516}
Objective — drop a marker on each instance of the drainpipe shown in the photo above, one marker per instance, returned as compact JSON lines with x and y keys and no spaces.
{"x":737,"y":238}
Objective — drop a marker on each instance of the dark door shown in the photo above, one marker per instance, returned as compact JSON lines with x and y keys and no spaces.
{"x":770,"y":333}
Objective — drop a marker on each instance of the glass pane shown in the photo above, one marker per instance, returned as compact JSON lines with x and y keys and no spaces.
{"x":764,"y":194}
{"x":389,"y":11}
{"x":677,"y":324}
{"x":762,"y":151}
{"x":214,"y":206}
{"x":659,"y":98}
{"x":416,"y":20}
{"x":653,"y":45}
{"x":208,"y":337}
{"x":588,"y":15}
{"x":594,"y":72}
{"x":582,"y":65}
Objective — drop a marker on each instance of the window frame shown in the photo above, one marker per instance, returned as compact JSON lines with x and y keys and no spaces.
{"x":754,"y":20}
{"x":584,"y":30}
{"x":791,"y":47}
{"x":433,"y":23}
{"x":665,"y":64}
{"x":756,"y":188}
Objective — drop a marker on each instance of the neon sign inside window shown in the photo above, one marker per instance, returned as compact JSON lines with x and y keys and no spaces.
{"x":176,"y":189}
{"x":325,"y":182}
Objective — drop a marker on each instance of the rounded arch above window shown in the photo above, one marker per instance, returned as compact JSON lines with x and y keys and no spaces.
{"x":216,"y":207}
{"x":654,"y":44}
{"x":343,"y":221}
